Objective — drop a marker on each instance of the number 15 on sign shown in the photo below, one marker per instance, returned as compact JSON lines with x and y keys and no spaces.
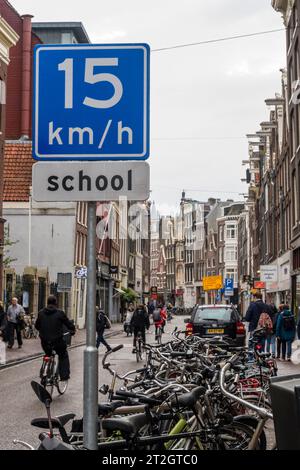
{"x":91,"y":102}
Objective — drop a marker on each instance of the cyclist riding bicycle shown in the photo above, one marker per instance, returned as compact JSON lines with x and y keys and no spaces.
{"x":159,"y":319}
{"x":139,"y":322}
{"x":50,"y":323}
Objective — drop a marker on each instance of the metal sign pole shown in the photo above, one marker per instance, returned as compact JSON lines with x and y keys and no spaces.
{"x":90,"y":386}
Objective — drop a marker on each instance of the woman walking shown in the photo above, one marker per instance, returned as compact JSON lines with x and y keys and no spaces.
{"x":286,"y":331}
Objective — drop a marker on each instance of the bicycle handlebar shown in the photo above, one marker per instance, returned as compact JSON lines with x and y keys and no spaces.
{"x":141,"y":398}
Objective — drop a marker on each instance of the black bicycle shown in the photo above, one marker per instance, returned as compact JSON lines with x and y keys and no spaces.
{"x":49,"y":373}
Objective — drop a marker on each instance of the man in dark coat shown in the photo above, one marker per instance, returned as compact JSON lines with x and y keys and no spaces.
{"x":50,"y":323}
{"x":139,"y":322}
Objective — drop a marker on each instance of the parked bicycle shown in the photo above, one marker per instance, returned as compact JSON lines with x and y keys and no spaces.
{"x":29,"y":329}
{"x":192,"y":394}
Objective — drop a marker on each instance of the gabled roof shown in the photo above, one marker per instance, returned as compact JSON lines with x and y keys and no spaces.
{"x":18,"y":163}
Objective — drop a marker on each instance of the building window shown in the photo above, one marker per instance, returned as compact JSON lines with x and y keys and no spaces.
{"x":221,"y":233}
{"x":266,"y":198}
{"x":230,"y":231}
{"x":294,"y":137}
{"x":231,"y":254}
{"x":221,"y":255}
{"x":295,"y":199}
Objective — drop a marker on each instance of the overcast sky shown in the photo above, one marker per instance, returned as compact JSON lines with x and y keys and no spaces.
{"x":205,"y":98}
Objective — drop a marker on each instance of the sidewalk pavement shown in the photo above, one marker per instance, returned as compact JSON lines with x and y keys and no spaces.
{"x":32,"y":347}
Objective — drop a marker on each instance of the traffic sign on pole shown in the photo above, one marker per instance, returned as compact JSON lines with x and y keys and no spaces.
{"x":90,"y":181}
{"x":91,"y":102}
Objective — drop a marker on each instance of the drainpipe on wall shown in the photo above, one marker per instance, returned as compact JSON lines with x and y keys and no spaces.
{"x":26,"y":76}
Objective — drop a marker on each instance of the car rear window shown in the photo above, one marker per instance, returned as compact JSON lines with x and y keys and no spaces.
{"x":213,"y":314}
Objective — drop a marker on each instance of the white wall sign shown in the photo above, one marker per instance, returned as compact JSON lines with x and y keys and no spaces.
{"x":90,"y":181}
{"x":269,"y":273}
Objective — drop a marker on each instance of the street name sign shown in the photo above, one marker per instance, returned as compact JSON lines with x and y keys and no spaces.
{"x":91,"y":102}
{"x":90,"y":181}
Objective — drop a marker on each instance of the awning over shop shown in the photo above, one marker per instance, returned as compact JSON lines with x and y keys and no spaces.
{"x":118,"y":291}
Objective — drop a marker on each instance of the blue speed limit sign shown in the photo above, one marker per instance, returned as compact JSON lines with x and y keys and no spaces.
{"x":91,"y":102}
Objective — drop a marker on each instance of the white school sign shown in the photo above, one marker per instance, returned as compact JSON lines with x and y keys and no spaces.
{"x":90,"y":181}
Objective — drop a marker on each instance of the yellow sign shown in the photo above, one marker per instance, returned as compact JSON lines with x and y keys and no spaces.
{"x":212,"y":283}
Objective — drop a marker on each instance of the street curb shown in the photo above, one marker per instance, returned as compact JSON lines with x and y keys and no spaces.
{"x":38,"y":355}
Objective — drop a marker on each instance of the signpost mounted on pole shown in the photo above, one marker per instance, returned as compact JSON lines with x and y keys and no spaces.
{"x":91,"y":102}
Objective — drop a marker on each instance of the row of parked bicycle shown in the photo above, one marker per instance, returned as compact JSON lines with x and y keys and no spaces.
{"x":192,"y":394}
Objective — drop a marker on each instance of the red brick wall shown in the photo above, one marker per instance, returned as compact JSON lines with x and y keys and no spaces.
{"x":14,"y":82}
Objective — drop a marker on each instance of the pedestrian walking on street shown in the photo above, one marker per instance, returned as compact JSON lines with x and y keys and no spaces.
{"x":50,"y":323}
{"x":102,"y":322}
{"x":256,"y":308}
{"x":139,"y":323}
{"x":127,"y":322}
{"x":270,"y":340}
{"x":15,"y":323}
{"x":278,"y":340}
{"x":286,"y":331}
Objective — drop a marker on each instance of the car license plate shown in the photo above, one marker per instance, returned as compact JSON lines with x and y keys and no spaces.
{"x":216,"y":331}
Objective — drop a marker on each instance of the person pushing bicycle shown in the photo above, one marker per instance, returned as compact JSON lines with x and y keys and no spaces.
{"x":50,"y":323}
{"x":139,"y":322}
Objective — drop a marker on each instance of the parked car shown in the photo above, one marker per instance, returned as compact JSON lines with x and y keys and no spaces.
{"x":217,"y":320}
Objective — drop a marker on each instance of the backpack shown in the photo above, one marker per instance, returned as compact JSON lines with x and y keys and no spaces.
{"x":107,"y":323}
{"x":288,"y":323}
{"x":156,"y":315}
{"x":265,"y":322}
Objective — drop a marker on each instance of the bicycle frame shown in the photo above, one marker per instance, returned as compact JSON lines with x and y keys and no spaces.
{"x":262,"y":412}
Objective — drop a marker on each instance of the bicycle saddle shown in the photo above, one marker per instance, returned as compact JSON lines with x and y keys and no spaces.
{"x":187,"y":400}
{"x":59,"y":421}
{"x":107,"y":408}
{"x":129,"y":425}
{"x":64,"y":419}
{"x":43,"y":423}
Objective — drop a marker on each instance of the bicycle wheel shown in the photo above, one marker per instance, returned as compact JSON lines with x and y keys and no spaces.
{"x":61,"y":385}
{"x":235,"y":436}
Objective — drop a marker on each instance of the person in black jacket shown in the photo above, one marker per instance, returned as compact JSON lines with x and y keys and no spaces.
{"x":101,"y":324}
{"x":50,"y":323}
{"x":139,"y":322}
